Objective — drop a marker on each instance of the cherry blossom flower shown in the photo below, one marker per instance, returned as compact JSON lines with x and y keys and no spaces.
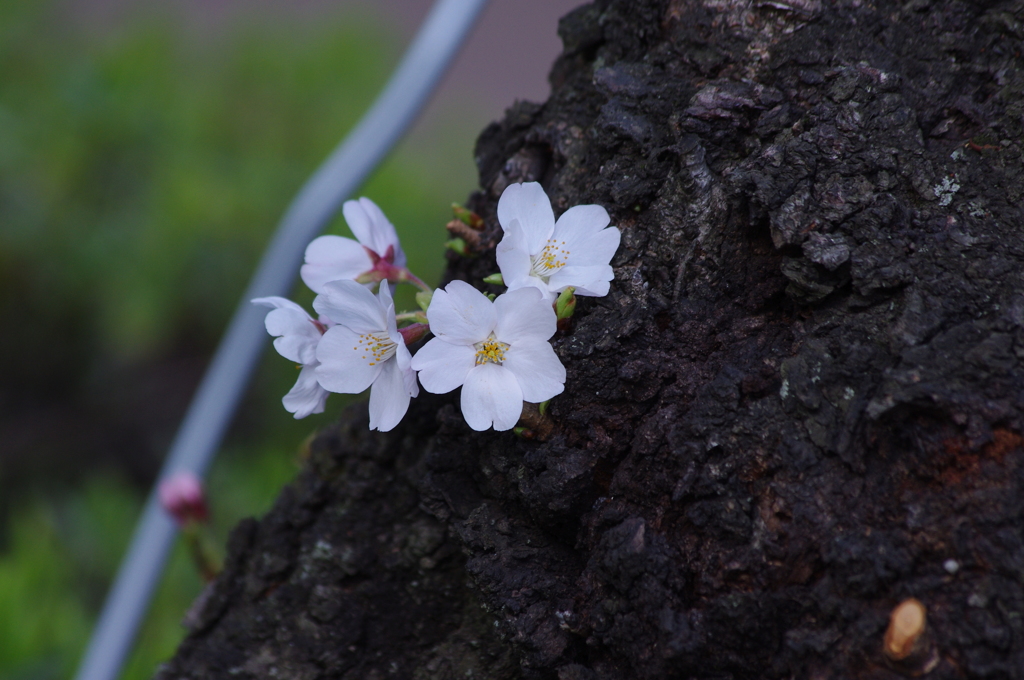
{"x":377,"y":256}
{"x":497,"y":351}
{"x":365,"y":349}
{"x":551,"y":256}
{"x":181,"y":495}
{"x":297,"y":335}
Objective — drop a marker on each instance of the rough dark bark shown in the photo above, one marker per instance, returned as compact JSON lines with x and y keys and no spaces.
{"x":800,"y":404}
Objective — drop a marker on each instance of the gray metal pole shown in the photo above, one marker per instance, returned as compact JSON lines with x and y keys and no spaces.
{"x":215,"y":402}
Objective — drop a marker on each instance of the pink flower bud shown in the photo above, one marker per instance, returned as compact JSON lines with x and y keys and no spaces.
{"x":413,"y":332}
{"x":181,"y":495}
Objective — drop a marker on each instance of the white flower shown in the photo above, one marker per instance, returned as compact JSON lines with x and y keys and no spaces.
{"x":550,"y":256}
{"x":336,"y":258}
{"x":364,"y":350}
{"x":498,"y":351}
{"x":297,"y":336}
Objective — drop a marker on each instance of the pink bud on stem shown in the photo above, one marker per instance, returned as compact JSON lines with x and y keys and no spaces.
{"x":181,"y":495}
{"x":414,"y":332}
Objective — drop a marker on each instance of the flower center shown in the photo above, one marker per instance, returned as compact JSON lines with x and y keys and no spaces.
{"x":376,"y":347}
{"x":490,"y":351}
{"x":550,"y":259}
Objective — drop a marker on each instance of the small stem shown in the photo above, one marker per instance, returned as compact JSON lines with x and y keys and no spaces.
{"x":203,"y":555}
{"x":415,"y":317}
{"x":409,"y":277}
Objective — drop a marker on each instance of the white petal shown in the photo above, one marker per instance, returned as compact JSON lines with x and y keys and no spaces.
{"x":360,"y":223}
{"x":461,"y":314}
{"x":585,"y":243}
{"x":581,"y":221}
{"x":389,"y":398}
{"x":491,"y":394}
{"x":384,"y":234}
{"x":372,"y":229}
{"x":535,"y":283}
{"x":530,"y":205}
{"x":513,"y":255}
{"x":412,"y":386}
{"x":307,"y":396}
{"x":524,"y":314}
{"x":443,"y":366}
{"x":297,"y":337}
{"x":293,"y":327}
{"x":592,"y":280}
{"x":351,"y":304}
{"x":404,"y":359}
{"x":344,"y":364}
{"x":278,"y":303}
{"x":537,"y":369}
{"x":333,"y":258}
{"x":391,"y":324}
{"x":596,"y":289}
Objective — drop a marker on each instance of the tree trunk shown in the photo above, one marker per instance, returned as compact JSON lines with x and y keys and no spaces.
{"x":799,"y":406}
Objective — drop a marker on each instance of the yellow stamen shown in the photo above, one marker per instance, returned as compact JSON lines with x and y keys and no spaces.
{"x":552,"y":258}
{"x":490,"y":351}
{"x":377,"y":345}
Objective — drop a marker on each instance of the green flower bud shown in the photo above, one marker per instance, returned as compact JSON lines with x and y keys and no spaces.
{"x":565,"y":305}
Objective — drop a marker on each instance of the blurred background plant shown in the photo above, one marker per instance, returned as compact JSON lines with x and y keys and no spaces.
{"x":144,"y":161}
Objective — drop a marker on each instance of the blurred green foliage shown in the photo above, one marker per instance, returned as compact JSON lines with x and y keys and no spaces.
{"x":142,"y":169}
{"x":141,"y":174}
{"x":62,"y":551}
